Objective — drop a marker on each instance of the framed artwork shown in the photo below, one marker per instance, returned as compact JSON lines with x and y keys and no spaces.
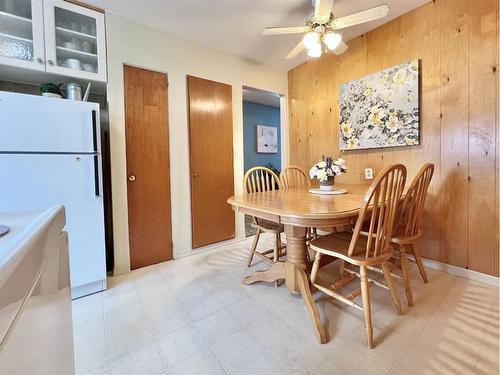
{"x":267,"y":139}
{"x":381,"y":109}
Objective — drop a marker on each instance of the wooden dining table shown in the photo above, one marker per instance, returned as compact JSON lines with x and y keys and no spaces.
{"x":298,"y":210}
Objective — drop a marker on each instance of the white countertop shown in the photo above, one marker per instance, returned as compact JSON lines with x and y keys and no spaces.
{"x":22,"y":254}
{"x":23,"y":226}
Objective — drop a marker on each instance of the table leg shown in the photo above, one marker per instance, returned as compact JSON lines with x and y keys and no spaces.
{"x":305,"y":290}
{"x":294,"y":270}
{"x":296,"y":278}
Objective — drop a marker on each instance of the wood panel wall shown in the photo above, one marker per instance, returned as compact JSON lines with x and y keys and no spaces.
{"x":457,"y":44}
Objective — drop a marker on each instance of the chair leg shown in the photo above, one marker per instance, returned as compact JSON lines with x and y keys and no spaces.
{"x":315,"y":267}
{"x":392,"y":289}
{"x":277,"y":243}
{"x":310,"y":237}
{"x":420,"y":265}
{"x":365,"y":295}
{"x":276,"y":256}
{"x":406,"y":275}
{"x":254,"y":247}
{"x":341,"y":268}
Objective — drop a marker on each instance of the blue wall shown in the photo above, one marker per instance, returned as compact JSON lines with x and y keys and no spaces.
{"x":253,"y":115}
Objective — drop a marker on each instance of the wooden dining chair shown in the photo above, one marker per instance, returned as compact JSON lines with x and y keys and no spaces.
{"x":259,"y":179}
{"x":379,"y":207}
{"x":294,"y":178}
{"x":408,"y":225}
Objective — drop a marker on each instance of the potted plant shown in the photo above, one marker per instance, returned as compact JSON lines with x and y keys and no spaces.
{"x":274,"y":169}
{"x":51,"y":90}
{"x":325,"y":171}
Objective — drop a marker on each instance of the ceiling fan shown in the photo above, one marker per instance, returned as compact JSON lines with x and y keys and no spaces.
{"x":320,"y":28}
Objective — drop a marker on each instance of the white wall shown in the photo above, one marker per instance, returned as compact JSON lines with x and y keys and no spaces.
{"x":132,"y":43}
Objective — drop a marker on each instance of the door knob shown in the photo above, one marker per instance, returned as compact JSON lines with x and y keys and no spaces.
{"x":195,"y":174}
{"x":50,"y":62}
{"x":39,"y":60}
{"x":131,"y":178}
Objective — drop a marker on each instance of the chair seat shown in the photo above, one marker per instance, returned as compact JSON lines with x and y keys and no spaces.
{"x":268,"y":226}
{"x":337,"y":245}
{"x":400,"y":237}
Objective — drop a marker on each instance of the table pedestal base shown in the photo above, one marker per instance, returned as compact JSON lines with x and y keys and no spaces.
{"x":276,"y":272}
{"x":294,"y":273}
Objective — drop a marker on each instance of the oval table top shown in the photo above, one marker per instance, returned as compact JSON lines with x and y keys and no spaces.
{"x":299,"y":207}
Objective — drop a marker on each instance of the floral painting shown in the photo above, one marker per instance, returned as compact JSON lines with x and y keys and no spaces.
{"x":381,"y":109}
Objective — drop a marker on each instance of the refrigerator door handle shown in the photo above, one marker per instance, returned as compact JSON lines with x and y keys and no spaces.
{"x":96,"y":176}
{"x":94,"y":129}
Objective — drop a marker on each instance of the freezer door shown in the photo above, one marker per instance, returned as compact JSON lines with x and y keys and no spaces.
{"x":31,"y":181}
{"x":30,"y":123}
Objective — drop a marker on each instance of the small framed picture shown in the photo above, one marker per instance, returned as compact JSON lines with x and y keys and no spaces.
{"x":267,"y":139}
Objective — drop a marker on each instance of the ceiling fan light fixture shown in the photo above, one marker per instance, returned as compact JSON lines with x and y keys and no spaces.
{"x":320,"y":29}
{"x":310,"y":40}
{"x":315,"y":51}
{"x":332,"y":40}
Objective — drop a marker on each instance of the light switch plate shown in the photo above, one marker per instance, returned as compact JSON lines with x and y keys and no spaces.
{"x":368,"y":173}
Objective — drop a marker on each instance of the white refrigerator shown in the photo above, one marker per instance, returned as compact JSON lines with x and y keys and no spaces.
{"x":50,"y":155}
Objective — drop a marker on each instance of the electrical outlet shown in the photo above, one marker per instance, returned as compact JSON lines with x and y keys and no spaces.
{"x":368,"y":173}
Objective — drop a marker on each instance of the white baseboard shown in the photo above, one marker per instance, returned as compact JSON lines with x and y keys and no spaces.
{"x":461,"y":272}
{"x":456,"y":271}
{"x":90,"y":288}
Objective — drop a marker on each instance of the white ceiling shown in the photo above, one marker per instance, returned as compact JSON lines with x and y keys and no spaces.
{"x":261,"y":97}
{"x":235,"y":25}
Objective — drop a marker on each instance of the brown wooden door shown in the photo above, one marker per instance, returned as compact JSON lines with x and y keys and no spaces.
{"x":148,"y":166}
{"x":211,"y":153}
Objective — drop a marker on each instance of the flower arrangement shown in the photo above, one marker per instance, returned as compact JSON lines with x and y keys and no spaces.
{"x":326,"y":169}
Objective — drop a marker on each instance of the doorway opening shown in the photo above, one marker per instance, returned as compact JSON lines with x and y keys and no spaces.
{"x":261,"y":134}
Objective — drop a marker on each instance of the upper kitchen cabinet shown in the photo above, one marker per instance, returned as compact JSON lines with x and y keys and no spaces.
{"x":74,"y":40}
{"x":51,"y":36}
{"x":21,"y":34}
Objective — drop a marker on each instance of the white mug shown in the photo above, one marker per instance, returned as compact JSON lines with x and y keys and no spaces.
{"x":73,"y":64}
{"x":69,"y":45}
{"x":88,"y":67}
{"x":87,"y":46}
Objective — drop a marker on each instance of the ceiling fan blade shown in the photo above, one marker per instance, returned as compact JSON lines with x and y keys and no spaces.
{"x":341,"y":48}
{"x":322,"y":10}
{"x":284,"y":30}
{"x":361,"y":17}
{"x":295,"y":51}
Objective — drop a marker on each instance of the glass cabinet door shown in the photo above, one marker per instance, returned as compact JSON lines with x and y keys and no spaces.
{"x":74,"y":40}
{"x":21,"y":33}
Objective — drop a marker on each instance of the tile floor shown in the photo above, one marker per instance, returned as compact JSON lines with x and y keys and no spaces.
{"x":193,"y":316}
